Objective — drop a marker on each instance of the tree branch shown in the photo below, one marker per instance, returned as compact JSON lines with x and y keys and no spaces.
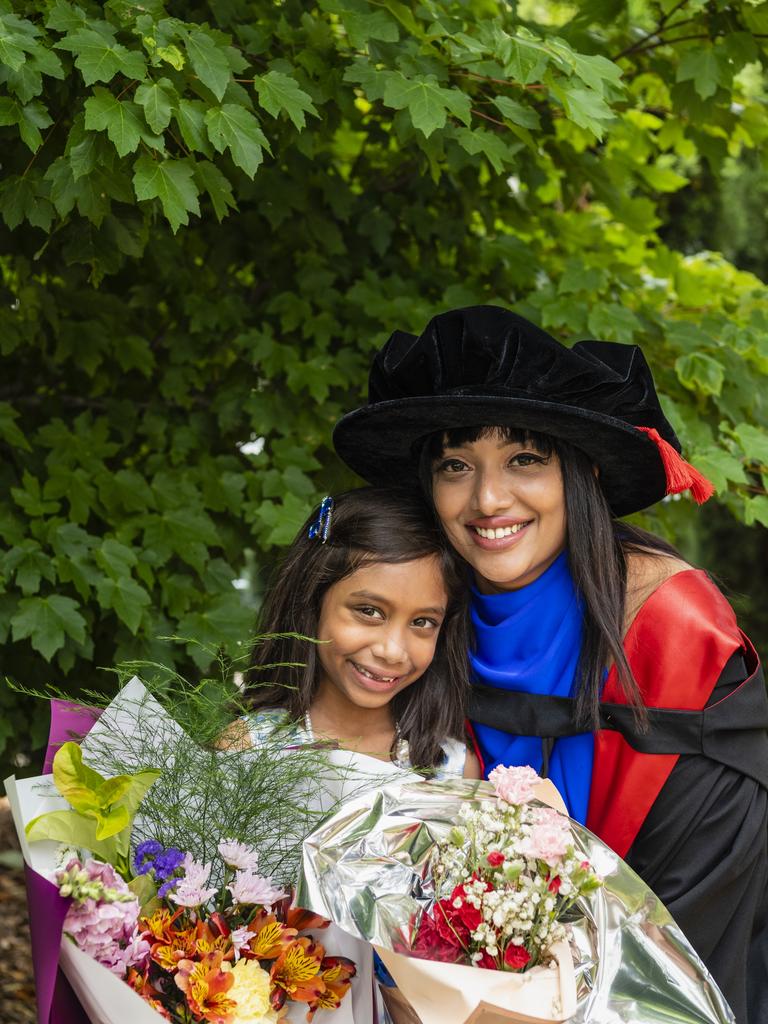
{"x":657,"y":31}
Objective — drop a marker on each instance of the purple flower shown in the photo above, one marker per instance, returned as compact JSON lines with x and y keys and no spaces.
{"x":145,"y":855}
{"x":168,"y":862}
{"x":167,"y":887}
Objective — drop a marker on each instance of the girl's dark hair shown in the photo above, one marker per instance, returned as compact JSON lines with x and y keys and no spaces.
{"x":597,"y":553}
{"x":369,"y":525}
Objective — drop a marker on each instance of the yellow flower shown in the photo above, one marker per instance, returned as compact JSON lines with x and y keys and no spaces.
{"x":250,"y":991}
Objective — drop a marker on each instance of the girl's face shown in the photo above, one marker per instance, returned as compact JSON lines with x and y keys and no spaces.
{"x":502,"y":506}
{"x":381,"y":624}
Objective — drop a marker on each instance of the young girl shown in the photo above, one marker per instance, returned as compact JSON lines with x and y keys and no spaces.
{"x":371,"y":578}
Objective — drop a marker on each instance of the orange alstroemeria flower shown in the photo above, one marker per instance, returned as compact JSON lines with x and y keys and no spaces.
{"x":159,"y":927}
{"x":337,"y":973}
{"x":206,"y":939}
{"x":304,"y":920}
{"x":180,"y":946}
{"x":141,"y":984}
{"x":297,"y":971}
{"x":205,"y":987}
{"x":271,"y":937}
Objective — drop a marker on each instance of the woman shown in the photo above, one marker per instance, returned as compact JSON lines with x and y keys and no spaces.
{"x":600,"y":657}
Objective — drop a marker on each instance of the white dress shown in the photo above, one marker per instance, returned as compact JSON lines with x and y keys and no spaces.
{"x":364,"y":1004}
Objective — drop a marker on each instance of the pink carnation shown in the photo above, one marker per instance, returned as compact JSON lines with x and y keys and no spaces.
{"x":550,"y":838}
{"x":515,"y":785}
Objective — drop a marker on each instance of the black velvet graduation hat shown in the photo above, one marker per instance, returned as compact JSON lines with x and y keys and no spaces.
{"x":486,"y":366}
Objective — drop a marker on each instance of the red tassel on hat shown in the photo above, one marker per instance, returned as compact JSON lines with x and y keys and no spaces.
{"x":681,"y":475}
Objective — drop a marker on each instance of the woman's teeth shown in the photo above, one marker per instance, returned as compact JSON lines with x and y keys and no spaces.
{"x":499,"y":531}
{"x":370,"y":675}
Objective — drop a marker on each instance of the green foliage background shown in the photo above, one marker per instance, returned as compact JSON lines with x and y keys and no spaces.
{"x":213,"y":213}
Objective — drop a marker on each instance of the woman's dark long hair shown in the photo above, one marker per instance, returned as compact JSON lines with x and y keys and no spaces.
{"x":369,"y":525}
{"x":598,"y":547}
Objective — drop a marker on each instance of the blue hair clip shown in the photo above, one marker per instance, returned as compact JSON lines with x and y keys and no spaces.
{"x":321,"y":528}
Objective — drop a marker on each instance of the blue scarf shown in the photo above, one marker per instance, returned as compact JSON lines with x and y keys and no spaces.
{"x":530,"y":639}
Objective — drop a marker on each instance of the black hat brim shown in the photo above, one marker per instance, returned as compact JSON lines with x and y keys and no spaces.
{"x":382,"y":442}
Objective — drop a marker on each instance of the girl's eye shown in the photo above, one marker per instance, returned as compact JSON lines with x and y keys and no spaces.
{"x":426,"y":623}
{"x":451,"y":466}
{"x":369,"y":612}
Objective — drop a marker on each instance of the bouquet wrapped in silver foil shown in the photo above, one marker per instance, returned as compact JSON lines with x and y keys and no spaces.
{"x":369,"y":869}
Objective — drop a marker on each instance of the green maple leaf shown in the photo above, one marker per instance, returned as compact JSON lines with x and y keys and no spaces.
{"x":170,"y":181}
{"x":126,"y":597}
{"x":527,"y":60}
{"x":613,"y":322}
{"x":209,"y":62}
{"x":100,"y":58}
{"x":700,"y":372}
{"x":517,"y":113}
{"x":120,"y":119}
{"x":29,"y":117}
{"x":490,"y":144}
{"x":701,"y":67}
{"x":64,"y":188}
{"x":8,"y":429}
{"x":217,"y":185}
{"x":281,"y":92}
{"x":11,"y":52}
{"x":190,"y":117}
{"x":157,"y":99}
{"x":65,"y":17}
{"x":428,"y":102}
{"x":585,"y":108}
{"x":47,"y":621}
{"x":235,"y":128}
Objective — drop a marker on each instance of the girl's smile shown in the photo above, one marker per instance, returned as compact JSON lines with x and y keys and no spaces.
{"x":502,"y":505}
{"x":379,"y":628}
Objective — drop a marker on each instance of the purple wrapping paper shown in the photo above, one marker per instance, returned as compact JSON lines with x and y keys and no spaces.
{"x":56,"y":1002}
{"x":68,"y":721}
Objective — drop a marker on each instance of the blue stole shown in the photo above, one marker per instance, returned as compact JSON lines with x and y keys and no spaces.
{"x":530,"y":640}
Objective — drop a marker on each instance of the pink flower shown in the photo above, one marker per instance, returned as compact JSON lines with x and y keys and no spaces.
{"x":104,"y":925}
{"x":550,"y":838}
{"x":239,"y":856}
{"x":515,"y":785}
{"x":251,"y":890}
{"x":191,"y":891}
{"x":240,"y":938}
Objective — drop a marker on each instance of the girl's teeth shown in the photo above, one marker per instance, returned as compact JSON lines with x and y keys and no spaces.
{"x":500,"y":531}
{"x":370,"y":675}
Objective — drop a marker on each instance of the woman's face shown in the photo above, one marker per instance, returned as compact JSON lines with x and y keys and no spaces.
{"x":502,"y":505}
{"x":381,"y":626}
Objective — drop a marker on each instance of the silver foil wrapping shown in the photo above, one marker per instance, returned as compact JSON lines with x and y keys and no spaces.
{"x":368,"y":869}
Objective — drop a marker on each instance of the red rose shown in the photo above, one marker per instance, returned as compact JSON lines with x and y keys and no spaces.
{"x":469,"y":916}
{"x":495,"y":859}
{"x":554,"y":885}
{"x":487,"y":962}
{"x":516,"y":957}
